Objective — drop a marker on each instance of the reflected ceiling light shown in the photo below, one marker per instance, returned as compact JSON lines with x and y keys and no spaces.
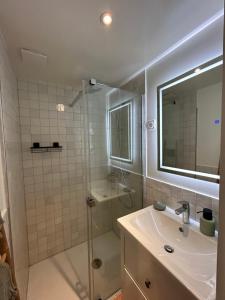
{"x":60,"y":107}
{"x":198,"y":70}
{"x":106,"y":18}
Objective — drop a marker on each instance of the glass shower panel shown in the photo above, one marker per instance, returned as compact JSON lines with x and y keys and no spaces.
{"x":114,"y":121}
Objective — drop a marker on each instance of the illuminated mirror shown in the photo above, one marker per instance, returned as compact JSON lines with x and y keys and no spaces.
{"x":120,"y":132}
{"x":189,"y":123}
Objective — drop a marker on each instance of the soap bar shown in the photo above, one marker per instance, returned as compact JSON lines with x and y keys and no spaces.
{"x":159,"y":205}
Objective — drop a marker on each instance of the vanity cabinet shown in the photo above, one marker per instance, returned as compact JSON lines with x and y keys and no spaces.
{"x":130,"y":289}
{"x":146,"y":278}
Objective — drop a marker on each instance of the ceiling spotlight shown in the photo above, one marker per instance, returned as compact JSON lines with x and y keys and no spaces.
{"x":198,"y":70}
{"x":106,"y":18}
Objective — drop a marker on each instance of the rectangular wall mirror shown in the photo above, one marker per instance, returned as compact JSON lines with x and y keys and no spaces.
{"x":120,"y":132}
{"x":189,"y":122}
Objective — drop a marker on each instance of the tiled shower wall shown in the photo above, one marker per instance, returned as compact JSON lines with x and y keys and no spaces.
{"x":125,"y":205}
{"x":169,"y":194}
{"x":179,"y":130}
{"x":54,"y":183}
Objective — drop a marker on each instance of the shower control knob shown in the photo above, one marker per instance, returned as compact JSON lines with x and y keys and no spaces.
{"x":90,"y":201}
{"x":151,"y":124}
{"x":148,"y":283}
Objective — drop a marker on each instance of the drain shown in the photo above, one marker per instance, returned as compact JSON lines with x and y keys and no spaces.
{"x":181,"y":229}
{"x":96,"y":263}
{"x":169,"y":249}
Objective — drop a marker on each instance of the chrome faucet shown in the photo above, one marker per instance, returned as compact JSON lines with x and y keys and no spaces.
{"x":185,"y":210}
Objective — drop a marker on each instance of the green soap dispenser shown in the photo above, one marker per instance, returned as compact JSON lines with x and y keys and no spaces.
{"x":207,"y":222}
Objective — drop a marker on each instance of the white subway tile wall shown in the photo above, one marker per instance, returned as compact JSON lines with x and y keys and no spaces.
{"x":54,"y":181}
{"x":133,"y":201}
{"x":179,"y":131}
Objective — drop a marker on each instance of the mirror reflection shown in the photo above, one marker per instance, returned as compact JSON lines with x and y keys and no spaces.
{"x":190,"y":122}
{"x":120,"y":132}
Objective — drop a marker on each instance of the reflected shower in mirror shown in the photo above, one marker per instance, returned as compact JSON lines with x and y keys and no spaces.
{"x":120,"y":132}
{"x":190,"y":122}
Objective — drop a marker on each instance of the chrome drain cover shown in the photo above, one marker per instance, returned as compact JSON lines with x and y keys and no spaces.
{"x":169,"y":249}
{"x":96,"y":263}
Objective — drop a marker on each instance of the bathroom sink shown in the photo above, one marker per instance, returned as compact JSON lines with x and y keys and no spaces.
{"x":103,"y":190}
{"x":182,"y":249}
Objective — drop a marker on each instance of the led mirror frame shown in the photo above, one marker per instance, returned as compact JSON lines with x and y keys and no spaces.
{"x":188,"y":75}
{"x":130,"y":130}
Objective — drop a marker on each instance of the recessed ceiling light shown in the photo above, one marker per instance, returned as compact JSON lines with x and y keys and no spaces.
{"x":198,"y":70}
{"x":106,"y":18}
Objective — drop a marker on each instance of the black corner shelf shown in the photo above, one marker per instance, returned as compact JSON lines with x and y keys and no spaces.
{"x":43,"y":149}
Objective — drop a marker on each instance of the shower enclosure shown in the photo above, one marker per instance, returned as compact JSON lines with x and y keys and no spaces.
{"x":114,"y":181}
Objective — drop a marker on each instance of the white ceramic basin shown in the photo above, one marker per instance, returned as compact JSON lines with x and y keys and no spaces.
{"x":193,"y":261}
{"x":103,"y":190}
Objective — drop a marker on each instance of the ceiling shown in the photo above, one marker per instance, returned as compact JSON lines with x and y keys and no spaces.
{"x":79,"y":47}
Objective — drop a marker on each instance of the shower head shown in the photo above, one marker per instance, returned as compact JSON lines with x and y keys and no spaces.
{"x":92,"y":90}
{"x":89,"y":90}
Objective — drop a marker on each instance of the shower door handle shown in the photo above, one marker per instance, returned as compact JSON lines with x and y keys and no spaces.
{"x":91,"y":201}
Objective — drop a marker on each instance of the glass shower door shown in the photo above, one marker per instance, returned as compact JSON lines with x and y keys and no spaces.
{"x":114,"y":127}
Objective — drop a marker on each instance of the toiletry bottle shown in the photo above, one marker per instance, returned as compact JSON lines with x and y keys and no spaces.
{"x":207,"y":222}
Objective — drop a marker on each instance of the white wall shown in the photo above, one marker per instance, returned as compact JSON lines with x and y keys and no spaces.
{"x":14,"y":175}
{"x":220,"y":293}
{"x":3,"y":200}
{"x":209,"y":104}
{"x":203,"y":47}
